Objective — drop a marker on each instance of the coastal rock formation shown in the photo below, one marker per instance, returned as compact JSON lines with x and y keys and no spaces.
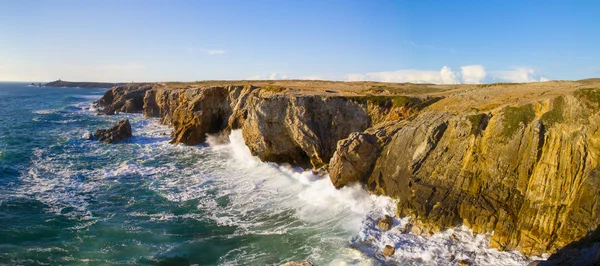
{"x":388,"y":250}
{"x":518,"y":160}
{"x":386,"y":223}
{"x":127,"y":98}
{"x":299,"y":129}
{"x":529,"y":173}
{"x":115,"y":134}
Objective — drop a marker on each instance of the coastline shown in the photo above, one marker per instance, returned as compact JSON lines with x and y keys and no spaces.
{"x":305,"y":138}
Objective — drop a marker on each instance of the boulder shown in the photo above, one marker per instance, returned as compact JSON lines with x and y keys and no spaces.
{"x":115,"y":134}
{"x":388,"y":250}
{"x":386,"y":223}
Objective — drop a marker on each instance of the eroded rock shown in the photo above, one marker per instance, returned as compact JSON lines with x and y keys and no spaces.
{"x":386,"y":223}
{"x":515,"y":171}
{"x":115,"y":134}
{"x":388,"y":251}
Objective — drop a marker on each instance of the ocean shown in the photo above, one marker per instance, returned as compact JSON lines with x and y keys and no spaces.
{"x":68,"y":200}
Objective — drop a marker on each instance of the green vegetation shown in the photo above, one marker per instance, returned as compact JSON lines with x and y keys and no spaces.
{"x":497,"y":84}
{"x":273,"y":88}
{"x":555,"y":115}
{"x":476,"y":121}
{"x":387,"y":101}
{"x":407,"y":88}
{"x":590,"y":96}
{"x":514,"y":117}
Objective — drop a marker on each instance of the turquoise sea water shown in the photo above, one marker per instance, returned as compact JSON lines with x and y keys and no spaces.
{"x":65,"y":200}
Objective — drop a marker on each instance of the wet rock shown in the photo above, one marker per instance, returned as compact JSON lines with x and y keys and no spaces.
{"x":386,"y":223}
{"x":388,"y":250}
{"x":115,"y":134}
{"x":406,"y":228}
{"x":453,"y":237}
{"x":297,"y":263}
{"x":452,"y":257}
{"x":464,"y":263}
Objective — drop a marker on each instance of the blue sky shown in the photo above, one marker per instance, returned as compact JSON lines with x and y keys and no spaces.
{"x":413,"y":41}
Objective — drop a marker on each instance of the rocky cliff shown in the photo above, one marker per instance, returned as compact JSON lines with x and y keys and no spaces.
{"x":518,"y":160}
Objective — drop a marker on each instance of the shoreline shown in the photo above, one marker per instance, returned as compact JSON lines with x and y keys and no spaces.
{"x":368,"y":238}
{"x":288,"y":125}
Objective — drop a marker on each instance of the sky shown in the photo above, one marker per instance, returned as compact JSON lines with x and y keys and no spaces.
{"x":442,"y":42}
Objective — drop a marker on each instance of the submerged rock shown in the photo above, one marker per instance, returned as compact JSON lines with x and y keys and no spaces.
{"x":115,"y":134}
{"x":388,"y":250}
{"x":386,"y":223}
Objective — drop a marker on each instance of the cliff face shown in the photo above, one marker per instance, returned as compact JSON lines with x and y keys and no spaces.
{"x":520,"y":161}
{"x":299,"y":129}
{"x":527,"y":173}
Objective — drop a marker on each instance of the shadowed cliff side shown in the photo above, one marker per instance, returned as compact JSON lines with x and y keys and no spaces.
{"x":301,"y":129}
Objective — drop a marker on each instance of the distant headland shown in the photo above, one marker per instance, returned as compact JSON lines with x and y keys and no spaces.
{"x":70,"y":84}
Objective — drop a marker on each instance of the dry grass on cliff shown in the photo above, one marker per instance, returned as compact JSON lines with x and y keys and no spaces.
{"x":457,"y":98}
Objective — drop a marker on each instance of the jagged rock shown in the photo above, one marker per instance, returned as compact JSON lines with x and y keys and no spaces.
{"x":297,"y":263}
{"x":453,"y":237}
{"x":516,"y":171}
{"x":464,"y":263}
{"x":452,"y":257}
{"x":128,"y":98}
{"x":386,"y":223}
{"x":406,"y":228}
{"x":388,"y":250}
{"x":115,"y":134}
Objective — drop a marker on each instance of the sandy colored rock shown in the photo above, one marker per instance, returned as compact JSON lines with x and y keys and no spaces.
{"x":386,"y":223}
{"x":527,"y":171}
{"x":388,"y":251}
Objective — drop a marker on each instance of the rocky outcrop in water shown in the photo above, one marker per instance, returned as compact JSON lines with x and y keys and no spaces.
{"x":517,"y":160}
{"x":115,"y":134}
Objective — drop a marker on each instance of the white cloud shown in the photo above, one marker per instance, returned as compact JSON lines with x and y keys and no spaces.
{"x":444,"y":76}
{"x":448,"y":76}
{"x":519,"y":75}
{"x":271,"y":76}
{"x":470,"y":74}
{"x":473,"y":74}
